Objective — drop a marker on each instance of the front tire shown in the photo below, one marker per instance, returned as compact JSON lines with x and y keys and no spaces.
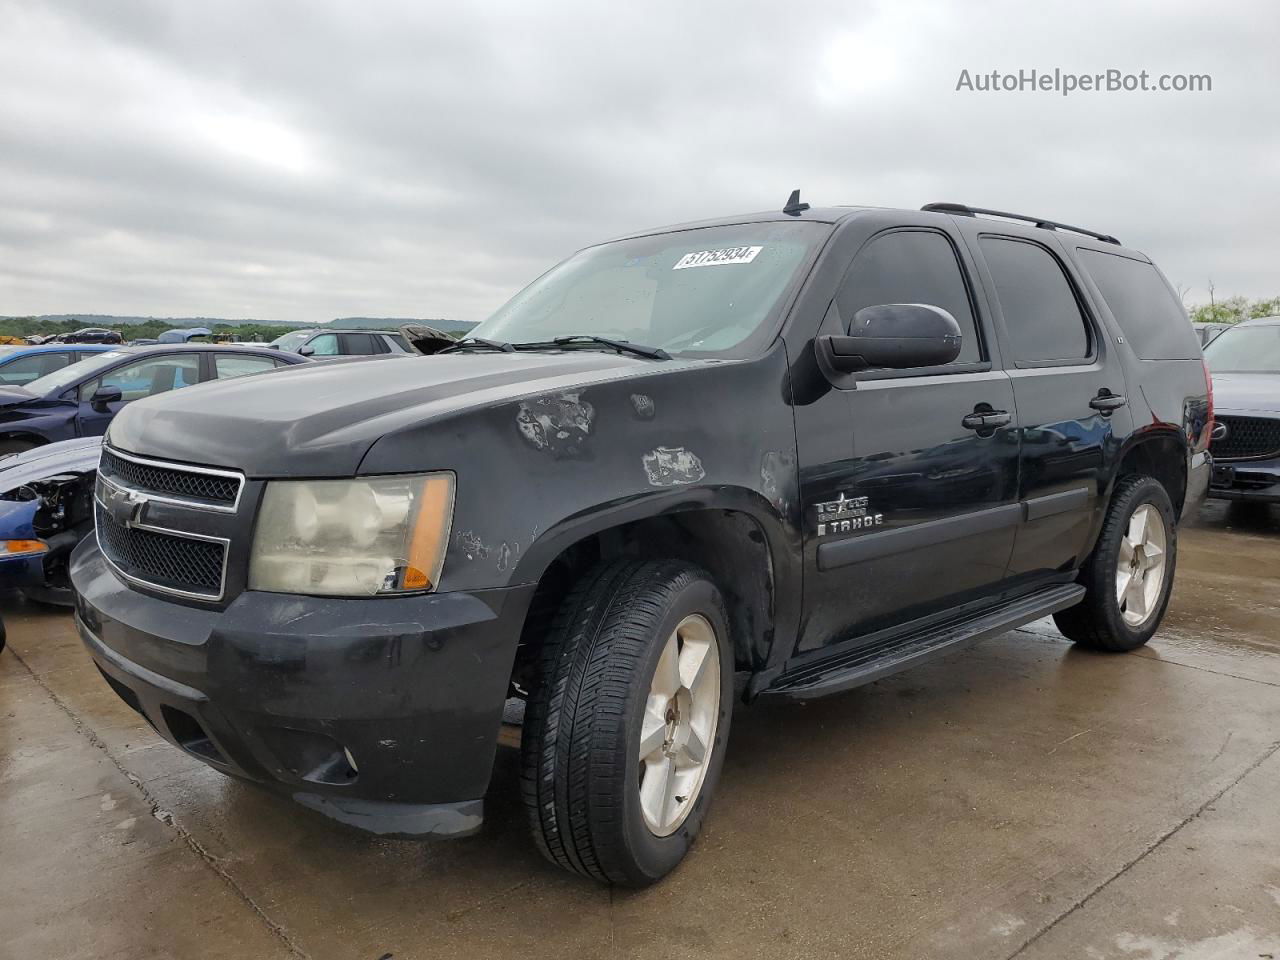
{"x":624,"y":735}
{"x":1129,"y":575}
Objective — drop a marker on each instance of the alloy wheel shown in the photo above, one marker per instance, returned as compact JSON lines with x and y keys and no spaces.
{"x":1140,"y":568}
{"x":678,"y":729}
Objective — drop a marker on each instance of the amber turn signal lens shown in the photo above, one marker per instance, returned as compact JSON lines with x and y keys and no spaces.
{"x":12,"y":547}
{"x":430,"y":532}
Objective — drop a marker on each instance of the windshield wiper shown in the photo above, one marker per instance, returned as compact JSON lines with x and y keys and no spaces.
{"x":587,"y":340}
{"x":479,"y":342}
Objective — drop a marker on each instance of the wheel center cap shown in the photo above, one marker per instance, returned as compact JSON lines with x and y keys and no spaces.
{"x":673,"y":723}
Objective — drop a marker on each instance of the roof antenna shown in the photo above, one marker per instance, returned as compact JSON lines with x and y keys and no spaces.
{"x":794,"y":207}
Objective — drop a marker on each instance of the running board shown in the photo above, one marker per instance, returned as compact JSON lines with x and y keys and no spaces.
{"x":902,"y":650}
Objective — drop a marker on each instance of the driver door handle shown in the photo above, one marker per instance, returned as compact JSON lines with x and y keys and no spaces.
{"x":1107,"y":402}
{"x":986,"y":420}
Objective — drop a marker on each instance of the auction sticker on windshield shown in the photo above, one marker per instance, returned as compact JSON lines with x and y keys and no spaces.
{"x":717,"y":258}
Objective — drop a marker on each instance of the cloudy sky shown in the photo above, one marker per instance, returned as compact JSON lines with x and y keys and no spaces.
{"x":312,"y":159}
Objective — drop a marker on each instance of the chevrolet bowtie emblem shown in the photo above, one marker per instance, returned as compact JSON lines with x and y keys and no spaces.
{"x":125,"y":506}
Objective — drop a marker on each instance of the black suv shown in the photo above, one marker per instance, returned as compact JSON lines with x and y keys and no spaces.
{"x":774,"y":455}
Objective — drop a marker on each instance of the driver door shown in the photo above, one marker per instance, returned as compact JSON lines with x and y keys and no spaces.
{"x":910,"y":508}
{"x":135,"y":379}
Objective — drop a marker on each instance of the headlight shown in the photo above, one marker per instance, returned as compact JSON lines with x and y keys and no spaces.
{"x":344,"y":538}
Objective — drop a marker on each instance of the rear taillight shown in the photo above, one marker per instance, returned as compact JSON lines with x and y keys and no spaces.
{"x":1208,"y":417}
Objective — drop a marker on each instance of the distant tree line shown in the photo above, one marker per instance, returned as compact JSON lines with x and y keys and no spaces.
{"x":1234,"y":309}
{"x":150,"y":329}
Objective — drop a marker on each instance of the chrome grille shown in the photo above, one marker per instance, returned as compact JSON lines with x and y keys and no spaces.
{"x":1248,"y":438}
{"x":166,"y":525}
{"x":171,"y":561}
{"x":216,"y":488}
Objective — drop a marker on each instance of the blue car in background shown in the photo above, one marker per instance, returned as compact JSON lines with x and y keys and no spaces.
{"x":80,"y":400}
{"x":20,"y":365}
{"x":46,"y":493}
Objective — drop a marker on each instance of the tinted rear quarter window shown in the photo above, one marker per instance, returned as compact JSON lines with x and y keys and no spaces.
{"x":1152,"y":319}
{"x":1041,"y":314}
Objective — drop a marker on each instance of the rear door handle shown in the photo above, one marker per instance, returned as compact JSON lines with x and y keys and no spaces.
{"x":986,"y":420}
{"x":1107,"y":402}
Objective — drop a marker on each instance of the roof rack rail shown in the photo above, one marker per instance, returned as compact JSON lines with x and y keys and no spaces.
{"x":961,"y":210}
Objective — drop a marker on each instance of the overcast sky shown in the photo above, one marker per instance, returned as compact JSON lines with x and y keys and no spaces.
{"x":307,"y":160}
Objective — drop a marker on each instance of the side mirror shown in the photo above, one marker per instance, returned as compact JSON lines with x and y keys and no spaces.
{"x":103,"y":396}
{"x":898,"y":336}
{"x":307,"y":350}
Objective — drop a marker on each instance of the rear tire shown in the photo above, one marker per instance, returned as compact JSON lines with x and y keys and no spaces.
{"x":636,"y":673}
{"x":1129,"y":575}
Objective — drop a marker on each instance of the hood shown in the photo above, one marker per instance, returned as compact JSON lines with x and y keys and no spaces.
{"x":12,"y":396}
{"x":319,"y":419}
{"x":425,"y":339}
{"x":68,"y":456}
{"x":1246,"y":392}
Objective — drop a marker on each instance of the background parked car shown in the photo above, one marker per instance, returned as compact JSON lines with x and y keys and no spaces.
{"x":341,"y":343}
{"x":91,"y":335}
{"x":185,"y":335}
{"x":1245,"y":363}
{"x":20,"y":365}
{"x":1208,"y":331}
{"x":46,"y":508}
{"x":81,"y":399}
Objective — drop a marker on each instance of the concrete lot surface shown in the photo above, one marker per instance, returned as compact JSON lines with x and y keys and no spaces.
{"x":1021,"y":799}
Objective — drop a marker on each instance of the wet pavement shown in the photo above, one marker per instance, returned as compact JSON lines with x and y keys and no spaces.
{"x":1019,"y":799}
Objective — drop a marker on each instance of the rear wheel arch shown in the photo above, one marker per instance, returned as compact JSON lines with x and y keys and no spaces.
{"x":1160,"y":454}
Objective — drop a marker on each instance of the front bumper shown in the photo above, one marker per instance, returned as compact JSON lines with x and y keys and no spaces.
{"x":382,"y":713}
{"x":1256,"y":480}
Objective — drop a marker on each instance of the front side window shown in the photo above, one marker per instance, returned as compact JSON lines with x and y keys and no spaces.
{"x":325,"y":345}
{"x":711,"y":290}
{"x":911,"y":266}
{"x":146,"y":378}
{"x":1041,"y":314}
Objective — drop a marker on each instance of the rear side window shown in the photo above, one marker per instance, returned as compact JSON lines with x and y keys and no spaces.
{"x":228,"y":365}
{"x":1041,"y":314}
{"x":911,"y":266}
{"x":1151,"y":317}
{"x":25,"y":369}
{"x":361,"y":344}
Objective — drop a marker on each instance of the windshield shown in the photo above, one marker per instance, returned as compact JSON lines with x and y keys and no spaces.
{"x":706,"y":290}
{"x":291,"y":341}
{"x":53,"y":382}
{"x":1245,"y":350}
